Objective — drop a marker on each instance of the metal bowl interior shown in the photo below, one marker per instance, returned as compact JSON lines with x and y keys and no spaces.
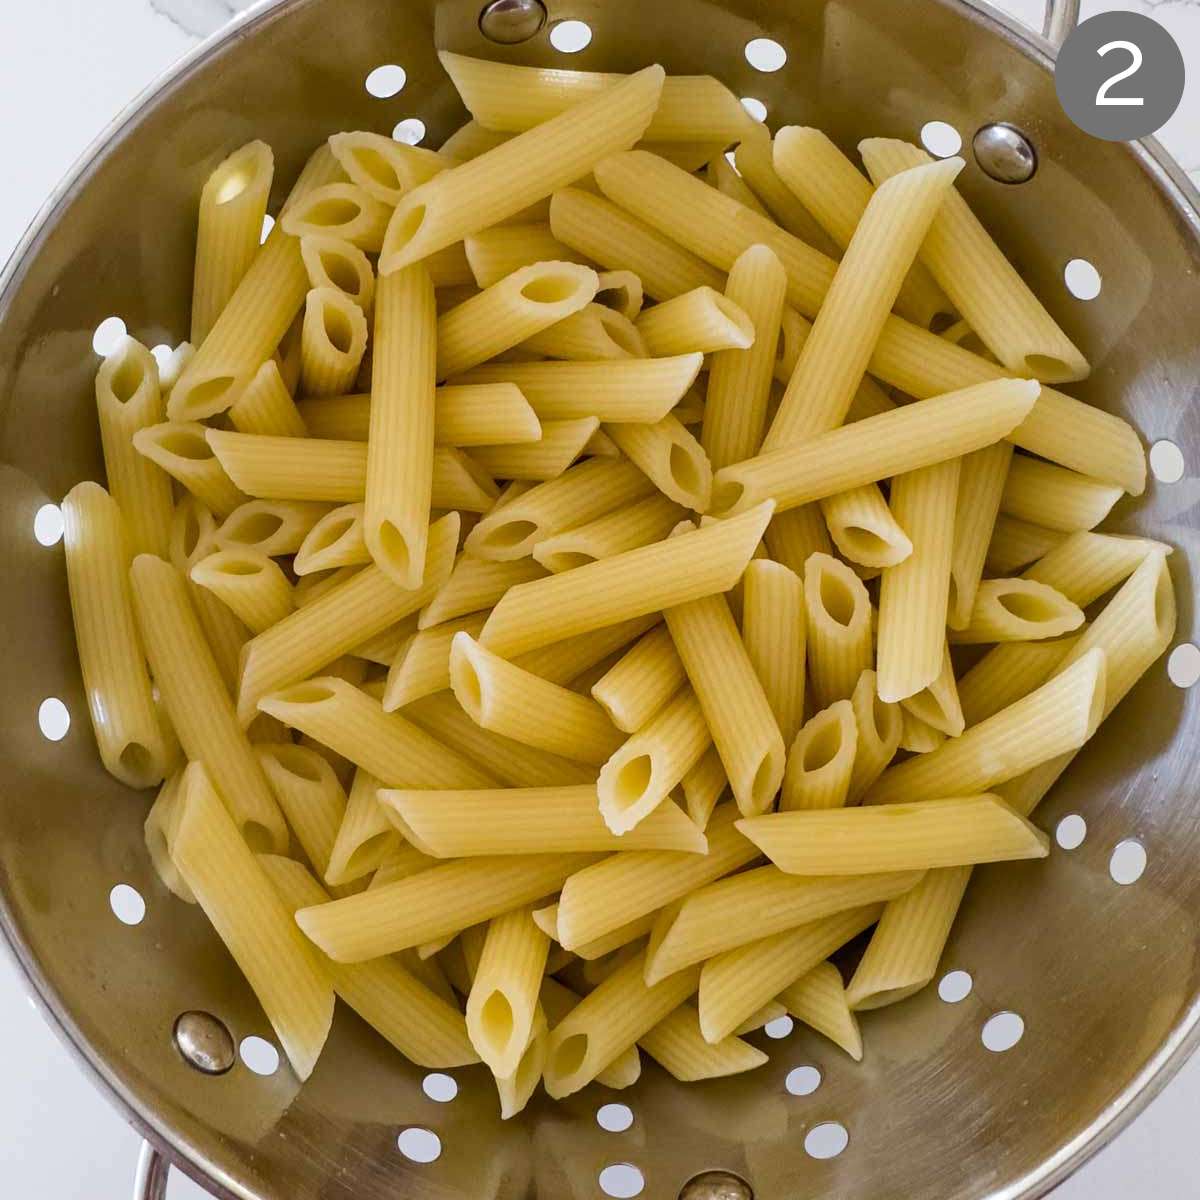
{"x":1104,"y":976}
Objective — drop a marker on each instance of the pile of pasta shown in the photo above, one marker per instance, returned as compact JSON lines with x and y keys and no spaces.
{"x":570,"y":591}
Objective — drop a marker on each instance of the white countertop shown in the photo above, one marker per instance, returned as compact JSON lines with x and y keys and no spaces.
{"x":74,"y":63}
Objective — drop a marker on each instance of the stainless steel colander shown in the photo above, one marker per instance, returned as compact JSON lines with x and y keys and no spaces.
{"x":1104,"y":976}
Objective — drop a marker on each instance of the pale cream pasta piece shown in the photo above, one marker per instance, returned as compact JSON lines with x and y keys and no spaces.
{"x":313,"y":636}
{"x":504,"y":180}
{"x":431,"y":904}
{"x":365,"y":838}
{"x":819,"y":999}
{"x":277,"y":960}
{"x":641,"y":682}
{"x":752,"y":905}
{"x":266,"y":406}
{"x":754,"y":157}
{"x":496,"y":253}
{"x":310,"y":588}
{"x":233,"y":203}
{"x":622,"y":291}
{"x":1007,"y":672}
{"x":342,"y":210}
{"x":385,"y":168}
{"x":561,"y":445}
{"x":607,"y":1021}
{"x":1086,"y":565}
{"x":181,"y":450}
{"x":384,"y":647}
{"x":557,"y":1001}
{"x":916,"y":736}
{"x":1015,"y":544}
{"x":986,"y":288}
{"x":423,"y":668}
{"x":700,"y":321}
{"x":130,"y":738}
{"x":333,"y":262}
{"x":893,"y":443}
{"x":399,"y":864}
{"x":1057,"y":717}
{"x":467,"y":824}
{"x":821,"y":760}
{"x":1017,"y":610}
{"x":980,"y":486}
{"x":839,"y":628}
{"x":158,"y":822}
{"x":638,"y":524}
{"x":720,"y":172}
{"x":332,"y":343}
{"x":197,"y":702}
{"x":582,"y":494}
{"x":703,"y":786}
{"x":475,"y":584}
{"x":336,"y":540}
{"x":938,"y":704}
{"x":1051,"y":496}
{"x":906,"y":947}
{"x":916,"y":836}
{"x":739,"y":381}
{"x":739,"y":982}
{"x":671,"y":457}
{"x":678,"y":1046}
{"x":510,"y":99}
{"x":642,"y":390}
{"x":593,"y":334}
{"x":506,"y":699}
{"x":639,"y":777}
{"x":771,"y":1011}
{"x":913,"y":595}
{"x":621,"y":889}
{"x":879,"y":727}
{"x":129,"y":398}
{"x":249,"y":583}
{"x":864,"y":528}
{"x":273,"y":526}
{"x":793,"y":536}
{"x":516,"y":1090}
{"x":287,"y":353}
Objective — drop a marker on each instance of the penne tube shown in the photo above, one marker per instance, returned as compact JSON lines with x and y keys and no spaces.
{"x":503,"y":698}
{"x":836,"y":193}
{"x":754,"y":158}
{"x":1058,"y":717}
{"x":626,"y":887}
{"x":232,"y":206}
{"x":157,"y":824}
{"x":879,"y":728}
{"x":592,"y":334}
{"x":451,"y":275}
{"x":771,"y":1011}
{"x":980,"y":485}
{"x":640,"y":775}
{"x":678,"y":1046}
{"x":423,"y":669}
{"x":509,"y":99}
{"x":403,"y":1008}
{"x":287,"y":353}
{"x":641,"y":682}
{"x":383,"y":167}
{"x":1017,"y":610}
{"x":1050,"y":496}
{"x":671,"y":457}
{"x":938,"y":704}
{"x":913,"y":595}
{"x":310,"y":588}
{"x":916,"y":736}
{"x":703,"y":786}
{"x":528,"y":301}
{"x":129,"y":399}
{"x":249,"y":583}
{"x":332,"y":343}
{"x":182,"y":452}
{"x":433,"y":903}
{"x":400,"y":864}
{"x":821,"y":760}
{"x":517,"y":173}
{"x":385,"y":647}
{"x":131,"y":740}
{"x":578,"y":496}
{"x":560,"y":446}
{"x":894,"y":443}
{"x":739,"y":982}
{"x":333,"y":262}
{"x":1016,"y":544}
{"x":502,"y":1005}
{"x":793,"y":536}
{"x":985,"y":287}
{"x":273,"y":526}
{"x":638,"y":524}
{"x":385,"y":745}
{"x":902,"y":837}
{"x":641,"y":390}
{"x":839,"y":628}
{"x":495,"y":253}
{"x":467,"y":824}
{"x":336,"y":540}
{"x":721,"y":174}
{"x":620,"y":1012}
{"x":195,"y":698}
{"x":266,"y":406}
{"x":278,"y":962}
{"x":558,"y":1001}
{"x":365,"y":837}
{"x":1007,"y":672}
{"x":700,"y":321}
{"x":739,"y":380}
{"x":341,"y":210}
{"x":475,"y":584}
{"x":906,"y":947}
{"x":820,"y":1000}
{"x":1086,"y":565}
{"x":864,"y":529}
{"x":753,"y":905}
{"x":793,"y":333}
{"x":774,"y":628}
{"x":621,"y":291}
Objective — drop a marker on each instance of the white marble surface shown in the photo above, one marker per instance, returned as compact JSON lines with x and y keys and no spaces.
{"x":72,"y":64}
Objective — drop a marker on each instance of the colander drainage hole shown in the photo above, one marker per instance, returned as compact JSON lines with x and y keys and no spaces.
{"x":127,"y":904}
{"x":259,"y":1055}
{"x":267,"y":225}
{"x":1082,"y":279}
{"x":108,"y":336}
{"x":48,"y":525}
{"x":765,"y":55}
{"x":802,"y":1081}
{"x":622,"y":1180}
{"x":955,"y":986}
{"x":1002,"y":1032}
{"x":1183,"y":667}
{"x":1071,"y":832}
{"x":779,"y":1028}
{"x":439,"y":1087}
{"x":756,"y":108}
{"x":940,"y":139}
{"x":569,"y":37}
{"x":614,"y":1118}
{"x":826,"y":1140}
{"x":1166,"y":462}
{"x":410,"y":131}
{"x":162,"y":355}
{"x":1128,"y":862}
{"x":387,"y":81}
{"x":53,"y":719}
{"x":419,"y":1145}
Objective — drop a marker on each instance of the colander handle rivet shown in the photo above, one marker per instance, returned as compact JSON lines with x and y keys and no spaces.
{"x":509,"y":22}
{"x":204,"y":1042}
{"x":1004,"y":153}
{"x":716,"y":1185}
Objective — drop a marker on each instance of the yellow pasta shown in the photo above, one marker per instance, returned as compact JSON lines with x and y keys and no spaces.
{"x":980,"y":485}
{"x":249,"y":583}
{"x":423,"y":668}
{"x":1086,"y":565}
{"x":333,"y":262}
{"x":272,"y":526}
{"x":621,"y":291}
{"x":703,"y":786}
{"x":878,"y":731}
{"x":671,"y":457}
{"x":365,"y":837}
{"x":266,"y":406}
{"x":938,"y":704}
{"x":821,"y":760}
{"x":793,"y":536}
{"x":561,"y":444}
{"x":342,"y":210}
{"x":336,"y":540}
{"x":641,"y":682}
{"x":183,"y":453}
{"x":754,"y":158}
{"x":332,"y":343}
{"x":678,"y":1046}
{"x":721,"y":173}
{"x":839,"y":628}
{"x":916,"y":736}
{"x":1018,"y":610}
{"x":820,"y":1000}
{"x":157,"y":824}
{"x":637,"y":524}
{"x":701,"y":321}
{"x":1015,"y":544}
{"x":1053,"y":497}
{"x":496,"y":253}
{"x":1006,"y":673}
{"x":594,"y":333}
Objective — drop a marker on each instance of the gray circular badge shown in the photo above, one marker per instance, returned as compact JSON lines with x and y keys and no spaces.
{"x":1119,"y":75}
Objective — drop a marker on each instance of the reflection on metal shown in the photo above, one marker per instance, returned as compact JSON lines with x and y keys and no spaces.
{"x":510,"y":22}
{"x":1005,"y":153}
{"x":716,"y":1185}
{"x":204,"y":1042}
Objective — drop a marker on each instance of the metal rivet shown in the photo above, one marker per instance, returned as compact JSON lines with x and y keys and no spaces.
{"x":716,"y":1185}
{"x":1005,"y":153}
{"x":204,"y":1042}
{"x":511,"y":21}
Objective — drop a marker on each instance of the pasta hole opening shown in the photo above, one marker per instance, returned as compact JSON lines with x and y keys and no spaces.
{"x":338,"y":329}
{"x":340,"y":272}
{"x":210,"y":393}
{"x":395,"y":548}
{"x":632,"y":781}
{"x":252,"y":529}
{"x":258,"y":838}
{"x":332,"y":533}
{"x":377,"y":166}
{"x":189,"y":532}
{"x":402,"y":233}
{"x":1048,"y":367}
{"x":363,"y":856}
{"x":837,"y":599}
{"x":615,"y":298}
{"x":883,"y":717}
{"x":570,"y":1055}
{"x":511,"y":534}
{"x":127,"y":379}
{"x":299,"y":762}
{"x":467,"y":686}
{"x":308,"y":693}
{"x":727,"y":495}
{"x":184,"y":443}
{"x":1164,"y":602}
{"x":941,"y":321}
{"x":568,"y":560}
{"x":1027,"y":607}
{"x":240,"y":567}
{"x":529,"y":1069}
{"x":550,"y":289}
{"x":684,"y":470}
{"x":865,"y":545}
{"x":764,"y":785}
{"x":137,"y":764}
{"x":496,"y":1020}
{"x":823,"y":746}
{"x":736,"y":317}
{"x":333,"y":212}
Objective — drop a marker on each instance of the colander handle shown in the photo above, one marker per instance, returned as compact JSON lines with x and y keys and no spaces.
{"x":150,"y":1182}
{"x":1061,"y":17}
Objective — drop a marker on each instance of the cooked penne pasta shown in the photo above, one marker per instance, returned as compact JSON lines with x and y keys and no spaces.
{"x":700,"y":321}
{"x":496,"y":253}
{"x":157,"y":824}
{"x":795,"y":535}
{"x":333,"y":262}
{"x":475,"y":584}
{"x":1007,"y":672}
{"x":592,"y":334}
{"x":1018,"y":610}
{"x":1047,"y":495}
{"x":266,"y":406}
{"x":1016,"y":544}
{"x":342,"y":210}
{"x":332,"y":344}
{"x":980,"y":486}
{"x":703,"y":786}
{"x":621,"y":291}
{"x":384,"y":167}
{"x":754,"y":158}
{"x":722,"y":175}
{"x":1086,"y":565}
{"x":249,"y":583}
{"x":365,"y":837}
{"x":878,"y":728}
{"x":183,"y":453}
{"x":671,"y":457}
{"x":273,"y":526}
{"x":821,"y":760}
{"x":560,"y":446}
{"x":641,"y":683}
{"x":864,"y":529}
{"x":839,"y":628}
{"x":336,"y":540}
{"x":678,"y":1046}
{"x":938,"y":704}
{"x":637,"y":524}
{"x":424,"y":667}
{"x":558,"y":1001}
{"x":820,"y":1000}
